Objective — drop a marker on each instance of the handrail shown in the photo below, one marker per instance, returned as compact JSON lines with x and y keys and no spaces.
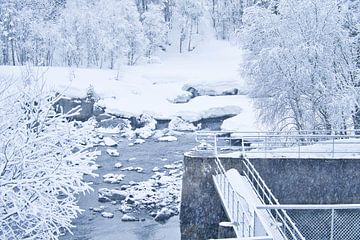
{"x":266,"y":197}
{"x":289,"y":145}
{"x":310,"y":206}
{"x":276,"y":211}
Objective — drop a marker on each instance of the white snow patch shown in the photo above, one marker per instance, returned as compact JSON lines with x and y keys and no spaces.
{"x":167,"y":139}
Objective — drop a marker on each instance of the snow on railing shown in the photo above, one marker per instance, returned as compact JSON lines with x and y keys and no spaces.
{"x":247,"y":222}
{"x":303,"y":144}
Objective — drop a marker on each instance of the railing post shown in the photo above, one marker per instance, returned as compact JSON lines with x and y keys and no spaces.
{"x":299,"y":151}
{"x":265,"y":146}
{"x":228,"y":194}
{"x":233,"y":204}
{"x":243,"y":224}
{"x":332,"y":224}
{"x":243,"y":147}
{"x":215,"y":145}
{"x":333,"y":147}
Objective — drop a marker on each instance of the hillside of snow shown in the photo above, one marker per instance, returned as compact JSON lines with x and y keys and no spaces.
{"x":156,"y":89}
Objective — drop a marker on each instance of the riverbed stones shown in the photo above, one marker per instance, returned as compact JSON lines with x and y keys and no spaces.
{"x":118,"y":165}
{"x":107,"y":214}
{"x":109,"y":142}
{"x":178,"y":124}
{"x":182,"y":97}
{"x":129,"y":218}
{"x":164,"y":214}
{"x":134,"y":169}
{"x":108,"y":195}
{"x":113,"y":178}
{"x":139,"y":141}
{"x":167,"y":139}
{"x":113,"y":152}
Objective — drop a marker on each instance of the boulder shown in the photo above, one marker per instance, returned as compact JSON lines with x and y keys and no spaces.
{"x":178,"y":124}
{"x":129,"y":218}
{"x":113,"y":152}
{"x":107,"y":214}
{"x":164,"y":214}
{"x":109,"y":142}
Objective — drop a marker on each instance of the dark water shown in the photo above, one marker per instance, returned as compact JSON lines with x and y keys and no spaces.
{"x":93,"y":226}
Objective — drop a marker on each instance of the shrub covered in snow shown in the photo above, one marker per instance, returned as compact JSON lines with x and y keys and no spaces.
{"x":43,"y":158}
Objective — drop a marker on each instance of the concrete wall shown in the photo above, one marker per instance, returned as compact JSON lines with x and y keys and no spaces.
{"x":312,"y":181}
{"x":201,"y":209}
{"x":293,"y":181}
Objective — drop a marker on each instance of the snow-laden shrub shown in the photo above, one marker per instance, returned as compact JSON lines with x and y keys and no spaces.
{"x":43,"y":158}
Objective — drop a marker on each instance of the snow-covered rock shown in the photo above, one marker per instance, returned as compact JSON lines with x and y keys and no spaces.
{"x":179,"y":124}
{"x":129,"y":218}
{"x":98,"y":209}
{"x":113,"y":178}
{"x":135,"y":169}
{"x":167,"y":139}
{"x":214,"y":89}
{"x":164,"y":214}
{"x":118,"y":165}
{"x":113,"y":152}
{"x":139,"y":141}
{"x":109,"y":142}
{"x":112,"y":194}
{"x":107,"y":214}
{"x":149,"y":126}
{"x":182,"y":97}
{"x":156,"y":169}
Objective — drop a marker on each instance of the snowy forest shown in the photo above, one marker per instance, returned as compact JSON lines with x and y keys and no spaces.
{"x":304,"y":55}
{"x":300,"y":61}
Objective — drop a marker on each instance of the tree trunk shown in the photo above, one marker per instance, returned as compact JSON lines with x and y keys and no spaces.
{"x":13,"y":52}
{"x":190,"y":36}
{"x":181,"y":41}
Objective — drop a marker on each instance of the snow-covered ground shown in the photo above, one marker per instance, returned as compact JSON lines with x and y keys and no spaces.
{"x":212,"y":69}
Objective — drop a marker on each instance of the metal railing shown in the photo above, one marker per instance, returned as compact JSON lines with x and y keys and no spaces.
{"x":320,"y":222}
{"x":236,"y":206}
{"x":281,"y":220}
{"x":316,"y":221}
{"x":246,"y":221}
{"x":304,"y":144}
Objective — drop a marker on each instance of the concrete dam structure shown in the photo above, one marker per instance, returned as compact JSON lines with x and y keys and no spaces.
{"x":285,"y":197}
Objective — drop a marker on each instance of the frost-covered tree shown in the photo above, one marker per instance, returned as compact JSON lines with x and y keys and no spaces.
{"x":188,"y":15}
{"x":101,"y":33}
{"x":155,"y":29}
{"x":134,"y":34}
{"x":43,"y":158}
{"x":301,"y":68}
{"x":28,"y":31}
{"x":227,"y":16}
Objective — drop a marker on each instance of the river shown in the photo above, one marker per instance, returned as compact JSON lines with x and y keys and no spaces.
{"x":92,"y":226}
